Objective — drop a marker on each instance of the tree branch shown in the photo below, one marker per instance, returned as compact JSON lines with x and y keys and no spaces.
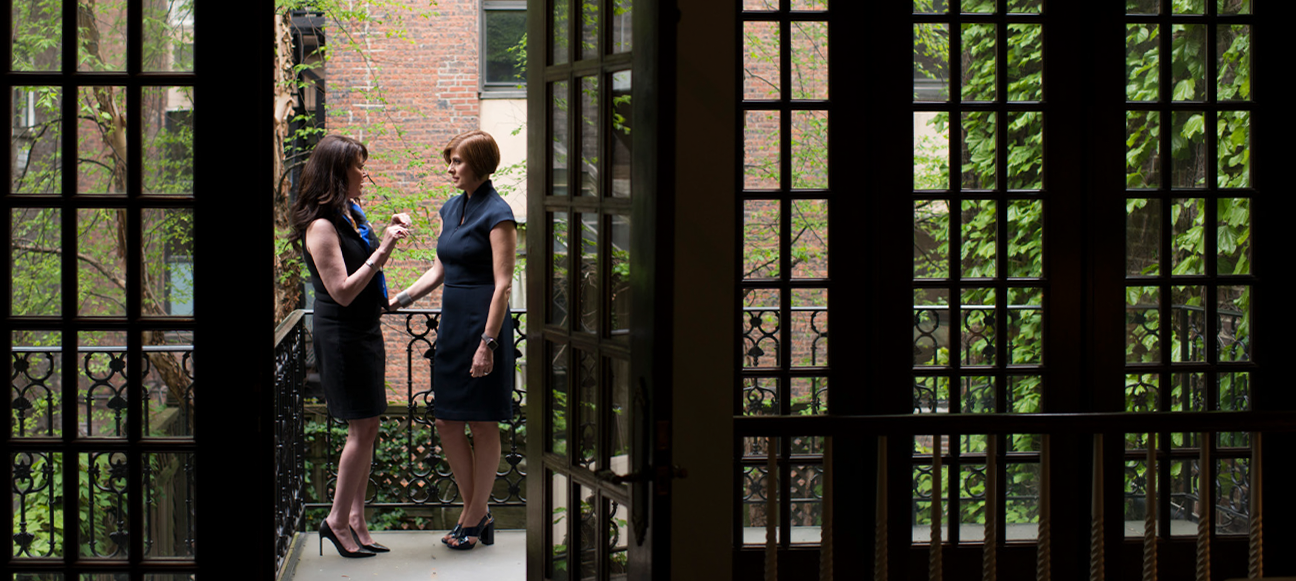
{"x":760,"y":78}
{"x":91,"y":261}
{"x":81,"y":160}
{"x":287,"y":172}
{"x":150,"y":305}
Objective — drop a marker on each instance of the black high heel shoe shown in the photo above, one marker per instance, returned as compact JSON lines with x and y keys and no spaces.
{"x":484,"y":531}
{"x":454,"y":532}
{"x":326,"y":532}
{"x":375,"y":547}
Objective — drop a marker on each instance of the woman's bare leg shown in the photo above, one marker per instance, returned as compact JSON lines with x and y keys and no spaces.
{"x":486,"y":455}
{"x":353,"y":475}
{"x":485,"y":450}
{"x":357,"y":515}
{"x":458,"y":452}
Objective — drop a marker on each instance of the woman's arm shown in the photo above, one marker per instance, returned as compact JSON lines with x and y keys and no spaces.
{"x":503,"y":239}
{"x":326,"y":250}
{"x":421,"y":287}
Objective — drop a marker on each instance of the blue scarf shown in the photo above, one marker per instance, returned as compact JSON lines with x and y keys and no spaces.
{"x":362,"y":226}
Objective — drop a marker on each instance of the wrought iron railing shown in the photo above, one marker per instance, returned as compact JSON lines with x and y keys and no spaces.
{"x":290,"y":446}
{"x":763,"y":335}
{"x":886,"y":429}
{"x":408,"y":470}
{"x":977,"y":333}
{"x":104,"y":398}
{"x":1189,"y":329}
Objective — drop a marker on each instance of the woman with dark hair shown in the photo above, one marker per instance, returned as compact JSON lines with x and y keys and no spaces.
{"x":473,"y":371}
{"x":344,"y":257}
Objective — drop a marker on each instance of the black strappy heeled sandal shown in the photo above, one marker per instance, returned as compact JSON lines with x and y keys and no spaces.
{"x":458,"y":528}
{"x":484,"y":531}
{"x":454,"y":532}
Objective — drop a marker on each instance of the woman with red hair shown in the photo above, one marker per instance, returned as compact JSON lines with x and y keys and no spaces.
{"x":473,"y":367}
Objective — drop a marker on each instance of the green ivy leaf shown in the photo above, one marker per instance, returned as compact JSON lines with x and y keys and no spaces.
{"x":1194,"y":126}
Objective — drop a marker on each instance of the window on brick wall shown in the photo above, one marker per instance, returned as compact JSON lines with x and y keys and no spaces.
{"x":503,"y":65}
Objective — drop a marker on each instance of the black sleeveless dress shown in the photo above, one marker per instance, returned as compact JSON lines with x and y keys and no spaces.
{"x":465,"y":254}
{"x":349,"y":352}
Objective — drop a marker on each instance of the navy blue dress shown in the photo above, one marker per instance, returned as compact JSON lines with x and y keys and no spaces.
{"x":349,"y":352}
{"x":465,"y":254}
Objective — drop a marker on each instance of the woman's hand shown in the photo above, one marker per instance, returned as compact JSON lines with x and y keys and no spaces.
{"x":402,"y":220}
{"x":483,"y":361}
{"x":393,"y":233}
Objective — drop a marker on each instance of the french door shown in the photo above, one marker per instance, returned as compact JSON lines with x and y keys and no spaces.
{"x":591,"y":213}
{"x":114,"y":245}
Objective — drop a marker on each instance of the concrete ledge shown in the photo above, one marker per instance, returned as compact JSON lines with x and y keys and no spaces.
{"x":415,"y":555}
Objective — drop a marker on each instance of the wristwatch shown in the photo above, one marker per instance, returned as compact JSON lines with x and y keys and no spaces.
{"x":490,"y":342}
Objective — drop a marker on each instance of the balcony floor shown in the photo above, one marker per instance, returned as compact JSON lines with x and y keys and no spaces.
{"x":414,"y":555}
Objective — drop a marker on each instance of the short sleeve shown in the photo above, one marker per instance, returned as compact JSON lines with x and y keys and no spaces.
{"x":500,"y":212}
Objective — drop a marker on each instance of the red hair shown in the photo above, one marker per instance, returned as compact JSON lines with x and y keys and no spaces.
{"x":477,"y":149}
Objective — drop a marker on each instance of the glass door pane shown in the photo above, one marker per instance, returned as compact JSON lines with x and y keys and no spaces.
{"x":586,"y":252}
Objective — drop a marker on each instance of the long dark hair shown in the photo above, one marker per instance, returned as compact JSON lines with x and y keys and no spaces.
{"x":323,"y":191}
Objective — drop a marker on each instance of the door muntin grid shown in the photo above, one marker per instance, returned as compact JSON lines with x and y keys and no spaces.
{"x":107,"y":355}
{"x":1189,"y":276}
{"x":589,"y":212}
{"x":980,"y":259}
{"x":785,"y":281}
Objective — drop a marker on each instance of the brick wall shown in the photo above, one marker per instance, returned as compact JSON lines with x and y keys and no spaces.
{"x":427,"y":74}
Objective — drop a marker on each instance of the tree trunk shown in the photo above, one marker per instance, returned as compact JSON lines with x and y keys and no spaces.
{"x":111,"y":122}
{"x":288,"y":282}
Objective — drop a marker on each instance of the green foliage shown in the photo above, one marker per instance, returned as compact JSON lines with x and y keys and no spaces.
{"x":519,"y":53}
{"x":1024,"y":158}
{"x":1189,"y":171}
{"x":36,"y":40}
{"x":977,"y":225}
{"x":558,"y":422}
